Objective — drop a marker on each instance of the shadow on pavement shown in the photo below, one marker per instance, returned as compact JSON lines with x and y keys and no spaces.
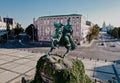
{"x":20,"y":44}
{"x":107,"y":72}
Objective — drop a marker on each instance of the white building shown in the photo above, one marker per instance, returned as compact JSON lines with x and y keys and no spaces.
{"x":3,"y":22}
{"x":2,"y":27}
{"x":106,"y":28}
{"x":45,"y":26}
{"x":8,"y":20}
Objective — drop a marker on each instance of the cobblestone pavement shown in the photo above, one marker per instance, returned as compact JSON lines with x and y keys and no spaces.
{"x":18,"y":63}
{"x":95,"y":52}
{"x":14,"y":64}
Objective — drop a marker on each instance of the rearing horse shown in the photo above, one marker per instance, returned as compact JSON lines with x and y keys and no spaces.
{"x":63,"y":37}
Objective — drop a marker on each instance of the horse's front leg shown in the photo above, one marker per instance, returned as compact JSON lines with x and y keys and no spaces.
{"x":53,"y":46}
{"x":66,"y":53}
{"x":50,"y":52}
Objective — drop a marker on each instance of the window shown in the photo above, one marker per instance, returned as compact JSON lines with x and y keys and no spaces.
{"x":48,"y":21}
{"x":77,"y":20}
{"x":61,"y":21}
{"x":44,"y":21}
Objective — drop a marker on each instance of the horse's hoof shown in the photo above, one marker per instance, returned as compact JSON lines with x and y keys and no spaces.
{"x":49,"y":53}
{"x":45,"y":57}
{"x":54,"y":47}
{"x":63,"y":56}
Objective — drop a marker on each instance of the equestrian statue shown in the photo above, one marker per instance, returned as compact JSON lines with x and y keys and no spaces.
{"x":63,"y":37}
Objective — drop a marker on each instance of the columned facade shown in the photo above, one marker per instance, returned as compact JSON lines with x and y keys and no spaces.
{"x":45,"y":26}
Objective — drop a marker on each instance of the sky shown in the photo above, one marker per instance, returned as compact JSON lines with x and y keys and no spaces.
{"x":97,"y":11}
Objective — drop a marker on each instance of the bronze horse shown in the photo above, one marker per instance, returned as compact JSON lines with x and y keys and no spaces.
{"x":63,"y":37}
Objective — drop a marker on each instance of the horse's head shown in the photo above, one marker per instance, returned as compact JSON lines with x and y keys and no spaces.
{"x":58,"y":25}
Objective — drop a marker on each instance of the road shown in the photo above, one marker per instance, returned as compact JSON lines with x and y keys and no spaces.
{"x":110,"y":51}
{"x":95,"y":51}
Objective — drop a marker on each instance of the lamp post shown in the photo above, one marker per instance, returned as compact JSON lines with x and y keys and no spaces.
{"x":7,"y":36}
{"x":33,"y":32}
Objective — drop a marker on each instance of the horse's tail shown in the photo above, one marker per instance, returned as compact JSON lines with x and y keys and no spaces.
{"x":73,"y":44}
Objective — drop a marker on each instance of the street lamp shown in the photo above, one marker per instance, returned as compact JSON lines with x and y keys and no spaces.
{"x":7,"y":36}
{"x":33,"y":32}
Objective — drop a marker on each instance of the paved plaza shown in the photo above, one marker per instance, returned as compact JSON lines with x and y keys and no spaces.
{"x":16,"y":63}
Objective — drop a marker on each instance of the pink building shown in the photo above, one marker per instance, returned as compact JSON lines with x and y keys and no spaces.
{"x":45,"y":26}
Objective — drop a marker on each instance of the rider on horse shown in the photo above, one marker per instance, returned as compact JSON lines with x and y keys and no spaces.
{"x":69,"y":42}
{"x":63,"y":37}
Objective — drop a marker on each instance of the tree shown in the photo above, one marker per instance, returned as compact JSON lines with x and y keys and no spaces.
{"x":7,"y":27}
{"x":119,"y":32}
{"x":115,"y":32}
{"x":31,"y":31}
{"x":109,"y":32}
{"x":94,"y":31}
{"x":18,"y":29}
{"x":8,"y":30}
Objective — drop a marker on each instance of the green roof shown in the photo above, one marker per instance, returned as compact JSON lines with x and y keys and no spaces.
{"x":61,"y":15}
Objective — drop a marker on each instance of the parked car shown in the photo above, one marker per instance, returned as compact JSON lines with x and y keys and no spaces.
{"x":102,"y":44}
{"x":113,"y":45}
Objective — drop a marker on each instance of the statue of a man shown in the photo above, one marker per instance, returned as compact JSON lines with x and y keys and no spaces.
{"x":63,"y":37}
{"x":70,"y":44}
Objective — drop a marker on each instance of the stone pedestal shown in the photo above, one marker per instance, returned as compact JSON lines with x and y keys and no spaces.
{"x":54,"y":69}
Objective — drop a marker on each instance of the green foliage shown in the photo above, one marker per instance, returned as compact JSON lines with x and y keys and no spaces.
{"x":18,"y":29}
{"x":31,"y":31}
{"x":7,"y":27}
{"x":62,"y":76}
{"x":76,"y":74}
{"x":88,"y":80}
{"x":94,"y":31}
{"x":3,"y":38}
{"x":115,"y":32}
{"x":39,"y":66}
